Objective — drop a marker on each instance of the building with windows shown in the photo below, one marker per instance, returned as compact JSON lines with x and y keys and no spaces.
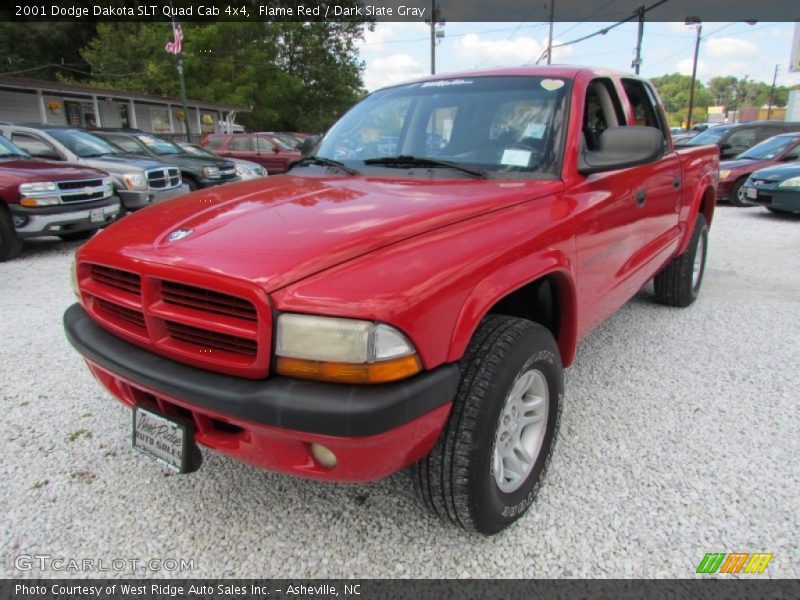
{"x":25,"y":100}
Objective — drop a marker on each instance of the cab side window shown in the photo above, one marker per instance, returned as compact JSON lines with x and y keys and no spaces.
{"x":744,"y":138}
{"x":602,"y":109}
{"x":242,"y":144}
{"x":644,"y":104}
{"x":34,"y":146}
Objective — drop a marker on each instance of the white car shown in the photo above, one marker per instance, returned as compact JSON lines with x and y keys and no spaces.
{"x":245,"y":169}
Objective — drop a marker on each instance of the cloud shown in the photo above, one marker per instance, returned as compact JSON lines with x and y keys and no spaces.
{"x":731,"y":47}
{"x":392,"y":69}
{"x":387,"y":35}
{"x":496,"y":53}
{"x":725,"y":56}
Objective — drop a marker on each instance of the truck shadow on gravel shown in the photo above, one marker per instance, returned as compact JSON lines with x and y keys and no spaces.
{"x":47,"y":246}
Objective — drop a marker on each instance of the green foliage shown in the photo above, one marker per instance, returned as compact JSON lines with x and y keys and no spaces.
{"x":292,"y":76}
{"x":27,"y":46}
{"x":731,"y":92}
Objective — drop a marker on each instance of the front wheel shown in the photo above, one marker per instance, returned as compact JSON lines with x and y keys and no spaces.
{"x":10,"y":244}
{"x":678,"y":284}
{"x":490,"y":459}
{"x":737,"y":194}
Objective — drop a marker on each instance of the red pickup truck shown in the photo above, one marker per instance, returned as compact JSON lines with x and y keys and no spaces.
{"x":41,"y":198}
{"x":407,"y":296}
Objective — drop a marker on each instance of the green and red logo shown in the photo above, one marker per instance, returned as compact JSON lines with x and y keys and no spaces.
{"x":734,"y":562}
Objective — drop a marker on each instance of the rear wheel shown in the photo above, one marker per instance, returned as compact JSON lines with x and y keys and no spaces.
{"x":491,"y":457}
{"x":678,"y":284}
{"x":737,"y":192}
{"x":10,"y":244}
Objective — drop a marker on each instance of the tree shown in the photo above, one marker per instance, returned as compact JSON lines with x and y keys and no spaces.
{"x":28,"y":48}
{"x":293,"y":76}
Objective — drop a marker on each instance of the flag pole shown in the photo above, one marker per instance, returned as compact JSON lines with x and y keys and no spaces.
{"x":183,"y":97}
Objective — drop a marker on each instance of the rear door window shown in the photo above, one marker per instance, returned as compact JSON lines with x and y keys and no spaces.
{"x":242,"y":144}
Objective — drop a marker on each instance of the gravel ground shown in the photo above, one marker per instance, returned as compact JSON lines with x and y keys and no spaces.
{"x":679,"y":437}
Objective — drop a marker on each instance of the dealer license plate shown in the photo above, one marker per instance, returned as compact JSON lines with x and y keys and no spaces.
{"x":161,"y":438}
{"x":96,"y":215}
{"x":751,"y":193}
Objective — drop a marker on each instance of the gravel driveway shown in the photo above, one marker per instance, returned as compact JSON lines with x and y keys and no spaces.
{"x":680,"y":436}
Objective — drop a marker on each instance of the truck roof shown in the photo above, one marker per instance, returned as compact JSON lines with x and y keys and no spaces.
{"x":563,"y":71}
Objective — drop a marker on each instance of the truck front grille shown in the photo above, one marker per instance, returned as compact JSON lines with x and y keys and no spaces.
{"x":81,"y":190}
{"x":163,"y":179}
{"x":183,"y":320}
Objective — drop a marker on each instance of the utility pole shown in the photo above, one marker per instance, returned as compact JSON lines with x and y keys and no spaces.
{"x":550,"y":35}
{"x":436,"y":34}
{"x":772,"y":92}
{"x":637,"y":62}
{"x":694,"y":70}
{"x":433,"y":37}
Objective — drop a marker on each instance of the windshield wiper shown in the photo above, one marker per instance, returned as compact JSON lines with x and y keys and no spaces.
{"x":421,"y":161}
{"x":325,"y":162}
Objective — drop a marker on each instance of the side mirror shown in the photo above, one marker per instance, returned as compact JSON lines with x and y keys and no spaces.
{"x":622,"y":147}
{"x":308,"y":145}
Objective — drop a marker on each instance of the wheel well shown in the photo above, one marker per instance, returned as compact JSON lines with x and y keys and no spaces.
{"x":707,"y":204}
{"x":537,"y":301}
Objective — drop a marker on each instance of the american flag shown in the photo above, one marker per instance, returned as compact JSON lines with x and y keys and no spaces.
{"x":175,"y":46}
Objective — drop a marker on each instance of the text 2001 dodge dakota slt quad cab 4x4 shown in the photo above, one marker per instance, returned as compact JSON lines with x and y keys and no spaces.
{"x":406,"y":296}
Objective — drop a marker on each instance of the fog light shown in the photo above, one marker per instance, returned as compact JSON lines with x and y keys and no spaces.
{"x":323,"y":456}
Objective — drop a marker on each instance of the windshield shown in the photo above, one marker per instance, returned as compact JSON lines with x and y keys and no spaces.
{"x":159,"y":146}
{"x":768,"y":149}
{"x":8,"y":149}
{"x":82,"y":143}
{"x":504,"y":126}
{"x":710,"y":136}
{"x":197,"y":151}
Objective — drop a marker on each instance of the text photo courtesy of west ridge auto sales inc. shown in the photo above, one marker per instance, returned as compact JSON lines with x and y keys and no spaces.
{"x":425,"y":299}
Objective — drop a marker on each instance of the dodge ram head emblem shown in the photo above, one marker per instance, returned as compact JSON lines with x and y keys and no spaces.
{"x":178,"y":234}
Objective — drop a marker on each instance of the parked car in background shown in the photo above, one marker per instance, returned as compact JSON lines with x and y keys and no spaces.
{"x":245,"y":169}
{"x":197,"y":171}
{"x":40,"y":197}
{"x":137,"y":181}
{"x":685,"y":134}
{"x":262,"y":148}
{"x":735,"y":139}
{"x":733,"y":173}
{"x":776,"y":188}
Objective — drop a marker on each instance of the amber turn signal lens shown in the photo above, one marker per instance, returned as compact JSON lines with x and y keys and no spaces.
{"x":378,"y":372}
{"x":28,"y":202}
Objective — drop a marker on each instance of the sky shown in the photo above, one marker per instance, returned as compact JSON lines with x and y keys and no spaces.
{"x":397,"y":52}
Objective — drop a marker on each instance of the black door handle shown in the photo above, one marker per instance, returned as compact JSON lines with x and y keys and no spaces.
{"x":676,"y":182}
{"x":641,"y":197}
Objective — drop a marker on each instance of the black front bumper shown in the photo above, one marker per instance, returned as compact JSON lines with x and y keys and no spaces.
{"x":307,"y":406}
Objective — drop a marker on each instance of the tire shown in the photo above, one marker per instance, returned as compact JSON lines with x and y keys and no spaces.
{"x":77,"y":235}
{"x":10,"y":244}
{"x":191,"y":182}
{"x":678,"y":283}
{"x":457,"y":480}
{"x":735,"y":201}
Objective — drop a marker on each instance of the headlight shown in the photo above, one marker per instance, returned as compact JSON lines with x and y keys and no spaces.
{"x":262,"y":171}
{"x":791,"y":182}
{"x":74,"y":277}
{"x":211,"y":172}
{"x":38,"y":194}
{"x":242,"y":171}
{"x":39,"y":186}
{"x":342,"y":350}
{"x":135,"y":181}
{"x":723,"y":174}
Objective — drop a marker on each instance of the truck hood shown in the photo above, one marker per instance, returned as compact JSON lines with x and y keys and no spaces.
{"x":33,"y":169}
{"x":121,"y":163}
{"x":279,"y":230}
{"x":186,"y":161}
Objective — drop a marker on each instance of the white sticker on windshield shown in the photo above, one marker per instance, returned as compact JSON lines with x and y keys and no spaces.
{"x":552,"y":84}
{"x":446,"y":83}
{"x":535,"y":130}
{"x":515,"y":157}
